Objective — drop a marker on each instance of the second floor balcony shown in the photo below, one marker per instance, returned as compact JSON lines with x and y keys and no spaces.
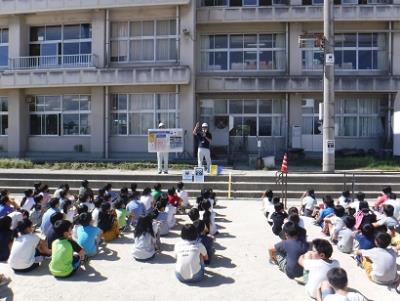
{"x":52,"y":62}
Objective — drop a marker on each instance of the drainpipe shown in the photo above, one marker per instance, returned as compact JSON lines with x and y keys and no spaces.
{"x":389,"y":122}
{"x":107,"y":39}
{"x":178,"y":33}
{"x":390,"y":54}
{"x":107,"y":122}
{"x":287,"y":121}
{"x":287,"y":48}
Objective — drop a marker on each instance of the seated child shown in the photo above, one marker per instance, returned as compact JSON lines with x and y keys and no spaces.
{"x":6,"y":237}
{"x":190,"y":256}
{"x":344,"y":199}
{"x":395,"y":241}
{"x":88,"y":236}
{"x":209,"y":217}
{"x":329,"y":204}
{"x":36,"y":214}
{"x":51,"y":234}
{"x":135,"y":208}
{"x":335,"y":289}
{"x":205,"y":239}
{"x":317,"y":263}
{"x":95,"y":213}
{"x":28,"y":201}
{"x":67,"y":254}
{"x":194,"y":214}
{"x":308,"y":203}
{"x":162,"y":217}
{"x":345,"y":235}
{"x":108,"y":222}
{"x":173,"y":198}
{"x":295,"y":218}
{"x":334,"y":222}
{"x":366,"y":239}
{"x":380,"y":262}
{"x":294,"y":210}
{"x":122,"y":214}
{"x":267,"y":205}
{"x":145,"y":242}
{"x":183,"y":195}
{"x":278,"y":219}
{"x":364,"y":215}
{"x":387,"y":220}
{"x":287,"y":252}
{"x":25,"y":248}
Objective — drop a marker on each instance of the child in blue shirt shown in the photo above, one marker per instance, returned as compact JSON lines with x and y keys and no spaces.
{"x":88,"y":236}
{"x":135,"y":208}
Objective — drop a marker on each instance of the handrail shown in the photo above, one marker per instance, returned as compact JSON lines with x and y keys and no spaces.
{"x":51,"y":61}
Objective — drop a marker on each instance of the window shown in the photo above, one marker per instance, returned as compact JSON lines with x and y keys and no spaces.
{"x":256,"y":117}
{"x":144,"y":41}
{"x":243,"y":52}
{"x":3,"y":116}
{"x":359,"y":117}
{"x":134,"y":114}
{"x":3,"y":47}
{"x":66,"y":115}
{"x":353,"y":52}
{"x":61,"y":44}
{"x":310,"y":112}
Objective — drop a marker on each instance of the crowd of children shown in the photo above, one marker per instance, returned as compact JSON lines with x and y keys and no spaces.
{"x":369,"y":234}
{"x":69,"y":229}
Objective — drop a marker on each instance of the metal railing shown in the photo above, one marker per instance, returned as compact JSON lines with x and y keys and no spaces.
{"x":52,"y":61}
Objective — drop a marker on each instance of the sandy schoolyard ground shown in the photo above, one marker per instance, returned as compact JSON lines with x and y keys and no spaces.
{"x":240,"y":270}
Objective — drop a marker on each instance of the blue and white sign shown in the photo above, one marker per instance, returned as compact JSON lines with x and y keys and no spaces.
{"x":198,"y":176}
{"x":187,"y":176}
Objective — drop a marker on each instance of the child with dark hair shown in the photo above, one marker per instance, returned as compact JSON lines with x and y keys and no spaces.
{"x":380,"y":262}
{"x":67,"y":254}
{"x":267,"y":205}
{"x":157,"y":192}
{"x":295,"y":218}
{"x":122,"y":215}
{"x":294,"y":210}
{"x":36,"y":213}
{"x":68,"y":210}
{"x":95,"y":213}
{"x":190,"y":256}
{"x":387,"y":220}
{"x":334,"y":222}
{"x":173,"y":198}
{"x":7,"y":205}
{"x":28,"y":201}
{"x":183,"y":195}
{"x":51,"y":234}
{"x":344,"y":199}
{"x":275,"y":201}
{"x":209,"y":217}
{"x":54,"y":205}
{"x":365,"y":239}
{"x":395,"y":203}
{"x":278,"y":219}
{"x":135,"y":208}
{"x":287,"y":252}
{"x":6,"y":237}
{"x":147,"y":200}
{"x":88,"y":236}
{"x":317,"y":263}
{"x":108,"y":222}
{"x":364,"y":215}
{"x":194,"y":214}
{"x":345,"y":235}
{"x":308,"y":202}
{"x":145,"y":241}
{"x":329,"y":204}
{"x":205,"y":239}
{"x":162,"y":217}
{"x":384,"y":196}
{"x":335,"y":289}
{"x":124,"y":195}
{"x":23,"y":255}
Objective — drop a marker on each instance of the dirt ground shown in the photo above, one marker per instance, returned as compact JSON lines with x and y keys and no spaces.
{"x":240,"y":270}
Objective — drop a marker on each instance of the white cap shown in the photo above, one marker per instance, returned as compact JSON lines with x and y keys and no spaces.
{"x":204,"y":125}
{"x":160,"y":125}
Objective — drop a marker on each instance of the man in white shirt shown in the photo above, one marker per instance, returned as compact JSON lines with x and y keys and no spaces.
{"x":162,"y":157}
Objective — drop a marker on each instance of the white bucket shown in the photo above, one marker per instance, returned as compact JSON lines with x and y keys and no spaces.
{"x":269,"y":161}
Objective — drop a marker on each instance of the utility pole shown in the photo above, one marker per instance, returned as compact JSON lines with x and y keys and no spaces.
{"x":328,"y":151}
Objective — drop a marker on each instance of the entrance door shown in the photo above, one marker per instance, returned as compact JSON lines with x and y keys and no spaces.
{"x":312,"y":128}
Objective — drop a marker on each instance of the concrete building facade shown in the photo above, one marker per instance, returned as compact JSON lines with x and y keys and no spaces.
{"x":87,"y":79}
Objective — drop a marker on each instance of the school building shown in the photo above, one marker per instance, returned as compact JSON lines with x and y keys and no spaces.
{"x":87,"y":78}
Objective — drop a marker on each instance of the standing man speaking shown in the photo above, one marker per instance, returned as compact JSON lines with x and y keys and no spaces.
{"x":204,"y":139}
{"x":162,"y":157}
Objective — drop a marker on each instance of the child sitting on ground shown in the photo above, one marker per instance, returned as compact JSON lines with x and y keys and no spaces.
{"x":205,"y":239}
{"x":51,"y":234}
{"x":145,"y":242}
{"x":209,"y":217}
{"x":122,"y":215}
{"x":335,"y":289}
{"x":162,"y":217}
{"x":308,"y":203}
{"x":380,"y":262}
{"x":6,"y":237}
{"x":395,"y":241}
{"x":294,"y":210}
{"x":345,"y":235}
{"x":190,"y":256}
{"x":317,"y":263}
{"x":334,"y":222}
{"x":267,"y":205}
{"x":135,"y":208}
{"x":278,"y":219}
{"x":366,"y":239}
{"x":344,"y":199}
{"x":25,"y":249}
{"x":88,"y":236}
{"x":108,"y":222}
{"x":329,"y":204}
{"x":287,"y":252}
{"x":194,"y":214}
{"x":174,"y":199}
{"x":67,"y":254}
{"x":387,"y":219}
{"x":183,"y":195}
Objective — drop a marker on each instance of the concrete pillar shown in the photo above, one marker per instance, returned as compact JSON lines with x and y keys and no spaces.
{"x":18,"y":37}
{"x":18,"y":127}
{"x":97,"y":122}
{"x":98,"y":38}
{"x":395,"y":47}
{"x":295,"y":67}
{"x":396,"y":125}
{"x":187,"y":57}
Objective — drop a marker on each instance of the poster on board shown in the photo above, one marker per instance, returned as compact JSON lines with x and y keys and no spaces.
{"x":165,"y":140}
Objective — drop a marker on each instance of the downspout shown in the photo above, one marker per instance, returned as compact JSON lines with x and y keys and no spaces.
{"x":287,"y":121}
{"x":107,"y":38}
{"x":287,"y":48}
{"x":390,"y":46}
{"x":178,"y":33}
{"x":107,"y":123}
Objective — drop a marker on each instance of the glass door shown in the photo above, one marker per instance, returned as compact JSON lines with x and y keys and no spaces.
{"x":312,"y":127}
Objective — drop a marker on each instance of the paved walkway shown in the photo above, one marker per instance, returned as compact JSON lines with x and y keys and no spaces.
{"x":240,"y":270}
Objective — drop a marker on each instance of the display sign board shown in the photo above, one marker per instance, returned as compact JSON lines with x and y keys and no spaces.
{"x":187,"y":176}
{"x":198,"y":175}
{"x":330,"y":146}
{"x":329,"y":59}
{"x":165,"y":140}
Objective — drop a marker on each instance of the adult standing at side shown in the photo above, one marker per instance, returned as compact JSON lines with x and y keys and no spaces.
{"x":162,"y":156}
{"x":204,"y":139}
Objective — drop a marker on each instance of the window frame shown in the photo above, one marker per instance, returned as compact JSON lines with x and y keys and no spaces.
{"x":4,"y":44}
{"x":2,"y":114}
